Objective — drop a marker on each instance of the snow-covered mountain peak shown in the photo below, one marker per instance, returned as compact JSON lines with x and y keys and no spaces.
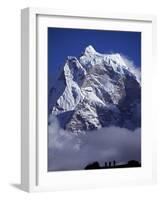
{"x":96,"y":90}
{"x":89,"y":50}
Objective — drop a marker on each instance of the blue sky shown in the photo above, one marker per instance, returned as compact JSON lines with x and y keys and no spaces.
{"x":63,"y":42}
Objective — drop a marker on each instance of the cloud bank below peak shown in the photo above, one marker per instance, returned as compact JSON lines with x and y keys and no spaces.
{"x":67,"y":151}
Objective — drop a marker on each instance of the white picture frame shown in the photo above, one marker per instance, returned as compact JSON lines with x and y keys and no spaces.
{"x":34,"y":176}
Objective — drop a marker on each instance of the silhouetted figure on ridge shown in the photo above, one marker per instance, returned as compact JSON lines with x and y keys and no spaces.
{"x":109,"y":164}
{"x":114,"y":163}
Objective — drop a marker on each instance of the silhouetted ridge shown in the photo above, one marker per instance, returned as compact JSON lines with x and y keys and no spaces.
{"x":96,"y":165}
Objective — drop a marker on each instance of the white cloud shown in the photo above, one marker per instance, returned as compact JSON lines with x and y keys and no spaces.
{"x":66,"y":151}
{"x":135,"y":70}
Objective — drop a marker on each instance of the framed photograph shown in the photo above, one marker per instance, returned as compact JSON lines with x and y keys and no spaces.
{"x":87,"y":113}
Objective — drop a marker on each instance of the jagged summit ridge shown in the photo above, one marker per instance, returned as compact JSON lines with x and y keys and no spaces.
{"x":96,"y":90}
{"x":90,"y":50}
